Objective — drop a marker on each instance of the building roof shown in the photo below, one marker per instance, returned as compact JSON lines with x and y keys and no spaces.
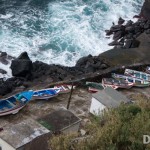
{"x":110,"y":97}
{"x":59,"y":120}
{"x":20,"y":134}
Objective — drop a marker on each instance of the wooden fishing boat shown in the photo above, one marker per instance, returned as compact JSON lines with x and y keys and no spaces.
{"x":136,"y":82}
{"x":137,"y":74}
{"x":13,"y":104}
{"x":94,"y":87}
{"x":45,"y":93}
{"x":64,"y":88}
{"x":116,"y":83}
{"x":148,"y":69}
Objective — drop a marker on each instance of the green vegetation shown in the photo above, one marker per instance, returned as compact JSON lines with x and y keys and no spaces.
{"x":118,"y":129}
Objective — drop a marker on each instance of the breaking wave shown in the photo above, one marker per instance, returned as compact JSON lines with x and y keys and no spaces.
{"x":60,"y":31}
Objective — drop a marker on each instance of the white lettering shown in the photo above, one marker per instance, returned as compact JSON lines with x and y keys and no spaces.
{"x":146,"y":139}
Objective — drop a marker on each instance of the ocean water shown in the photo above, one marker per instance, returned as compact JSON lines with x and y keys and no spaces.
{"x":60,"y":31}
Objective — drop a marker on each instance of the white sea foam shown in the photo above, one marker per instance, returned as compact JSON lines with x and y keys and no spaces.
{"x":7,"y":69}
{"x":6,"y":16}
{"x":64,"y":33}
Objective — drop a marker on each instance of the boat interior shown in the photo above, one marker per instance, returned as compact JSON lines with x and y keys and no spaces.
{"x":8,"y":104}
{"x":45,"y":92}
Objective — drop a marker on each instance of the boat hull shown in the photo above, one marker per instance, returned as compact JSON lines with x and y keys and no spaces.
{"x":117,"y":87}
{"x":93,"y":90}
{"x":15,"y":103}
{"x":64,"y":88}
{"x":43,"y":97}
{"x":127,"y":78}
{"x":115,"y":84}
{"x":141,"y":85}
{"x":45,"y":94}
{"x":13,"y":111}
{"x":137,"y":74}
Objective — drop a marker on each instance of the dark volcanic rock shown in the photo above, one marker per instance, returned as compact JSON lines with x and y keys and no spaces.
{"x":147,"y":31}
{"x":24,"y":56}
{"x":10,"y":84}
{"x":3,"y":54}
{"x":145,"y":11}
{"x":91,"y":64}
{"x":128,"y":43}
{"x":137,"y":29}
{"x":6,"y":87}
{"x":3,"y":58}
{"x":131,"y":43}
{"x":108,"y":32}
{"x":129,"y":23}
{"x":113,"y":43}
{"x":144,"y":39}
{"x":82,"y":61}
{"x":116,"y":28}
{"x":129,"y":29}
{"x":135,"y":43}
{"x":121,"y":21}
{"x":56,"y":72}
{"x":3,"y":71}
{"x":21,"y":66}
{"x":118,"y":35}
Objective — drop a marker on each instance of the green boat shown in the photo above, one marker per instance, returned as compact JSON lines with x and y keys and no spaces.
{"x":94,"y":86}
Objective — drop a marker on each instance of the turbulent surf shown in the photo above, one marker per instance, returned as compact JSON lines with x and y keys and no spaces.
{"x":60,"y":31}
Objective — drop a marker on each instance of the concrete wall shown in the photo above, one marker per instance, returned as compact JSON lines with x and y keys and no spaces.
{"x":5,"y":146}
{"x":72,"y":128}
{"x":39,"y":143}
{"x":96,"y":107}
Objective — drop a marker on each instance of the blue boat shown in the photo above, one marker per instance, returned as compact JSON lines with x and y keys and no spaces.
{"x":45,"y":93}
{"x":13,"y":104}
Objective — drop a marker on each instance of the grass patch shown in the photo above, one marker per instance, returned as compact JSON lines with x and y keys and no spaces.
{"x":117,"y":129}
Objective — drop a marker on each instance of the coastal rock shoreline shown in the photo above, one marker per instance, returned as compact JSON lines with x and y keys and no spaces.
{"x":128,"y":52}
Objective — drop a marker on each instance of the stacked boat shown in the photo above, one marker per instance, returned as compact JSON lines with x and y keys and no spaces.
{"x":13,"y":104}
{"x":129,"y":79}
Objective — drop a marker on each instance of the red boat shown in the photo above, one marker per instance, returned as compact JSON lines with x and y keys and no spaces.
{"x":64,"y":88}
{"x":116,"y":83}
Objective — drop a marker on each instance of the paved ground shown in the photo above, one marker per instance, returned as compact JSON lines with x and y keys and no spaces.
{"x":80,"y":104}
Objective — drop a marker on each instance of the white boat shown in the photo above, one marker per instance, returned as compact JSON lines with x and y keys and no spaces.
{"x":137,"y":74}
{"x":64,"y":88}
{"x":136,"y":82}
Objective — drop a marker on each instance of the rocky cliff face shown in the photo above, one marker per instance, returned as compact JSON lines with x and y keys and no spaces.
{"x":131,"y":43}
{"x":145,"y":11}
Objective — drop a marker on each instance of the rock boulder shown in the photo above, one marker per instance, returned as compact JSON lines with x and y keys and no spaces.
{"x":21,"y":66}
{"x":145,"y":11}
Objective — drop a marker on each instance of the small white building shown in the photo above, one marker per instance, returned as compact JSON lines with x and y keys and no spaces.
{"x":107,"y":98}
{"x":27,"y":135}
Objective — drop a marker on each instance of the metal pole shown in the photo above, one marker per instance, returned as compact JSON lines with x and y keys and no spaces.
{"x":69,"y":100}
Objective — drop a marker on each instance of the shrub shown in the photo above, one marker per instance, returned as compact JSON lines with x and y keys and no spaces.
{"x":123,"y":129}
